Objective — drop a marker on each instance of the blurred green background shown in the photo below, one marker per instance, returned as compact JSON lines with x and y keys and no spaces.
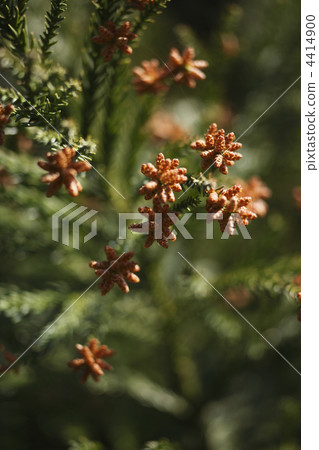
{"x":187,"y":367}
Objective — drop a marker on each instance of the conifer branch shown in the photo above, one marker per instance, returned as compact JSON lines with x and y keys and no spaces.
{"x":92,"y":79}
{"x":145,"y":16}
{"x":94,"y":66}
{"x":274,"y":279}
{"x":136,"y":137}
{"x":11,"y":96}
{"x":201,"y":184}
{"x":187,"y":204}
{"x":13,"y":25}
{"x":52,"y":23}
{"x":48,"y":106}
{"x":95,"y":79}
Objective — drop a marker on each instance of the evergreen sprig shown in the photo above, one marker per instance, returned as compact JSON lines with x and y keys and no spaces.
{"x":13,"y":25}
{"x":110,"y":10}
{"x":201,"y":184}
{"x":67,"y":135}
{"x":187,"y":204}
{"x":146,"y":15}
{"x":11,"y":96}
{"x":48,"y":106}
{"x":92,"y":79}
{"x":274,"y":279}
{"x":97,"y":82}
{"x":52,"y":23}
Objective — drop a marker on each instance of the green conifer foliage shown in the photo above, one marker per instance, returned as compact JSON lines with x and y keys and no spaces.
{"x":189,"y":372}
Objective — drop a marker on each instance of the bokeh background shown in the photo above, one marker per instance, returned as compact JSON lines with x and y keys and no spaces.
{"x":187,"y":367}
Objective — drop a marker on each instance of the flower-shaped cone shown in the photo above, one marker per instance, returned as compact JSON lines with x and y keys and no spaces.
{"x":258,"y":191}
{"x":117,"y":269}
{"x":62,"y":171}
{"x":166,"y":179}
{"x":92,"y":359}
{"x":217,"y":149}
{"x":227,"y":206}
{"x":184,"y":68}
{"x":149,"y":77}
{"x":159,"y":224}
{"x":114,"y":38}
